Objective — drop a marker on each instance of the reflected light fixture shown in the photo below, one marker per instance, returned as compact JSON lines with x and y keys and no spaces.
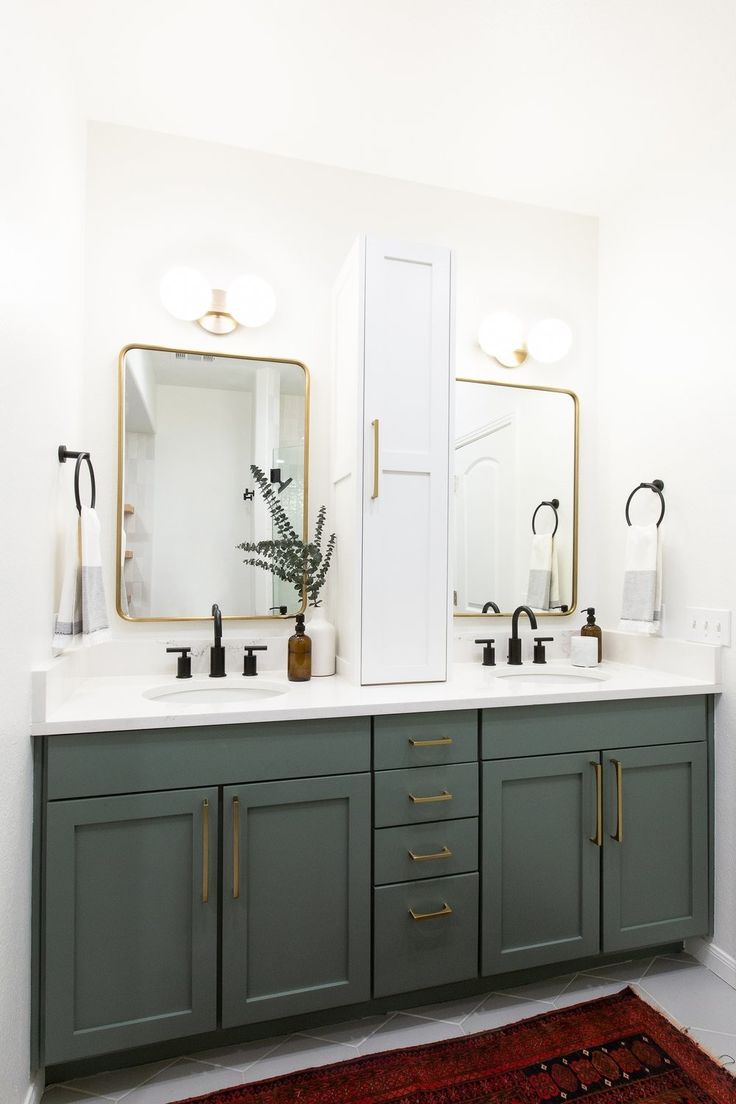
{"x":501,"y":336}
{"x":249,"y":301}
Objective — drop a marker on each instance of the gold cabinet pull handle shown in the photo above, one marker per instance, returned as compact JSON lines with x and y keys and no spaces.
{"x":205,"y":851}
{"x":444,"y":796}
{"x":597,"y":839}
{"x":446,"y":910}
{"x":618,"y":835}
{"x":236,"y":848}
{"x":445,"y":853}
{"x":376,"y":451}
{"x":441,"y":741}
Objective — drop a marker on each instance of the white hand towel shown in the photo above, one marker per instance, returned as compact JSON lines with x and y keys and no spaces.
{"x":95,"y":626}
{"x":641,"y":608}
{"x":82,"y":607}
{"x":124,"y":605}
{"x":544,"y":578}
{"x":68,"y":625}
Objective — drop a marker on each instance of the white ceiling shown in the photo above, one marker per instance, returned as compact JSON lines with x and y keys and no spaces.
{"x":565,"y":103}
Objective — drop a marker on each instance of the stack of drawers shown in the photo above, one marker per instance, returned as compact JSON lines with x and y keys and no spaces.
{"x":425,"y":850}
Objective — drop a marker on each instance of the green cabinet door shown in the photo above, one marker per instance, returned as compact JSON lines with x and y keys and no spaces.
{"x":296,"y":897}
{"x":655,"y":855}
{"x":540,"y":861}
{"x":130,"y":921}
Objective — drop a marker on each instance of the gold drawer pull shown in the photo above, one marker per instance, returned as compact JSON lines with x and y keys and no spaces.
{"x":444,"y":911}
{"x":444,"y":796}
{"x":376,"y":454}
{"x":441,"y":741}
{"x":445,"y":853}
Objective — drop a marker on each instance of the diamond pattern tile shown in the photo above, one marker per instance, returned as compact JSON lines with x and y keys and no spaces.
{"x":676,"y":984}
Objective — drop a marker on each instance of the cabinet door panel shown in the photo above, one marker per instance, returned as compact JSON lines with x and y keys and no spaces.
{"x":296,"y":938}
{"x":407,"y":378}
{"x":655,"y":878}
{"x":541,"y":871}
{"x":131,"y":943}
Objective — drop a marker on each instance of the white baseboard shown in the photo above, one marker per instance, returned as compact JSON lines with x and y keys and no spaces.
{"x":35,"y":1090}
{"x":719,"y":961}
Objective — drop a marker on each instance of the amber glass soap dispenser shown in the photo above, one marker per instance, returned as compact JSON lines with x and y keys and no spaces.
{"x":591,"y":629}
{"x":300,"y":653}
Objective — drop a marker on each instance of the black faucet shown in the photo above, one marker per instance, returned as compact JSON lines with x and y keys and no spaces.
{"x":514,"y":642}
{"x":217,"y":653}
{"x":490,"y":605}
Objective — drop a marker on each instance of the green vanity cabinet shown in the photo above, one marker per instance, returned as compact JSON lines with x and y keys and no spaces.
{"x":541,"y":872}
{"x":655,"y":847}
{"x":131,"y":920}
{"x":296,"y":897}
{"x":599,"y":850}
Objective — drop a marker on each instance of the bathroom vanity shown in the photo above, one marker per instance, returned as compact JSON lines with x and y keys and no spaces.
{"x":338,"y":850}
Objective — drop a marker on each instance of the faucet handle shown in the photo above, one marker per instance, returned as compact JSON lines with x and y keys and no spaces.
{"x":540,"y":655}
{"x":183,"y":663}
{"x":489,"y":652}
{"x":250,"y":660}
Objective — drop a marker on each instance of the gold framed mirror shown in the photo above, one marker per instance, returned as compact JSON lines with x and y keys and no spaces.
{"x":516,"y":462}
{"x":201,"y":437}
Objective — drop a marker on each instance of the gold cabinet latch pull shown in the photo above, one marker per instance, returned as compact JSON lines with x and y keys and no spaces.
{"x":597,"y":839}
{"x":441,"y":741}
{"x":444,"y":911}
{"x":618,"y":835}
{"x":205,"y":851}
{"x":444,"y":796}
{"x":376,"y":455}
{"x":445,"y":853}
{"x":236,"y":848}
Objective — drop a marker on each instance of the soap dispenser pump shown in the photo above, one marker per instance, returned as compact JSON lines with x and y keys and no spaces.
{"x":300,"y":653}
{"x":591,"y":629}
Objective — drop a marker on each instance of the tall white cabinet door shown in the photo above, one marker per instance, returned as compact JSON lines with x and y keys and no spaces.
{"x":407,"y":376}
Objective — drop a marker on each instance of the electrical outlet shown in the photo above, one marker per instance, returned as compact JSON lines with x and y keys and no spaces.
{"x":709,"y":626}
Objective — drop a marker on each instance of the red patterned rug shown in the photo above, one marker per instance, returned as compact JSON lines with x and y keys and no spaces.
{"x":616,"y":1049}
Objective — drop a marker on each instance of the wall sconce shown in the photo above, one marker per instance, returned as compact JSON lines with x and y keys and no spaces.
{"x":249,"y":301}
{"x":501,"y":336}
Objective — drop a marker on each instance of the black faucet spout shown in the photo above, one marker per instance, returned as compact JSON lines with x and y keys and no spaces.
{"x":217,"y":653}
{"x":217,"y":615}
{"x":514,"y":640}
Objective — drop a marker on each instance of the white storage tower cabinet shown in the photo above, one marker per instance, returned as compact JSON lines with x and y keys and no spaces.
{"x":392,"y":371}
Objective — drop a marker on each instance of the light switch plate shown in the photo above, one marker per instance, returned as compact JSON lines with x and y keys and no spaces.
{"x":709,"y":626}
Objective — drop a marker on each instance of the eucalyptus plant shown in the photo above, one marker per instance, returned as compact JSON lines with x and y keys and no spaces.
{"x":288,"y":556}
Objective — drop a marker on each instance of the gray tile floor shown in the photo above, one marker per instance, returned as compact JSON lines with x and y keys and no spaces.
{"x":675,"y":984}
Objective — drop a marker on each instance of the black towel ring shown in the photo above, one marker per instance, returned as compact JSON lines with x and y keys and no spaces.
{"x":657,"y":486}
{"x":81,"y":457}
{"x":553,"y":505}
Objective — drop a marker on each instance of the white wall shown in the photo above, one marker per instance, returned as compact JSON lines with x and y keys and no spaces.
{"x":156,"y":200}
{"x":667,"y":403}
{"x":41,"y":227}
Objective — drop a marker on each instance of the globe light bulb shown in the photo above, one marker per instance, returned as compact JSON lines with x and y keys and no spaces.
{"x":501,"y":336}
{"x":549,"y":340}
{"x":185,"y":293}
{"x":251,"y":300}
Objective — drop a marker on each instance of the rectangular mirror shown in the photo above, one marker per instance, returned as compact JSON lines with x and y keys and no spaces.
{"x":191,"y":425}
{"x":516,"y":482}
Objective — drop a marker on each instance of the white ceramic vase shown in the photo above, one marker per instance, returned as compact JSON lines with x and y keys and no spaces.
{"x":322,"y":634}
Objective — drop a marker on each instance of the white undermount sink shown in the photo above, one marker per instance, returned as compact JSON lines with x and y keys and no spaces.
{"x":215,"y":694}
{"x":552,"y":676}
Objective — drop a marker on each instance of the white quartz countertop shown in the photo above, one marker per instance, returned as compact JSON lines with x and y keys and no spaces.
{"x":118,"y":703}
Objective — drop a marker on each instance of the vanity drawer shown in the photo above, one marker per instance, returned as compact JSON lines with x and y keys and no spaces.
{"x":425,"y":793}
{"x":90,"y":764}
{"x":436,"y":945}
{"x":445,"y":847}
{"x":592,"y":726}
{"x":425,"y":739}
